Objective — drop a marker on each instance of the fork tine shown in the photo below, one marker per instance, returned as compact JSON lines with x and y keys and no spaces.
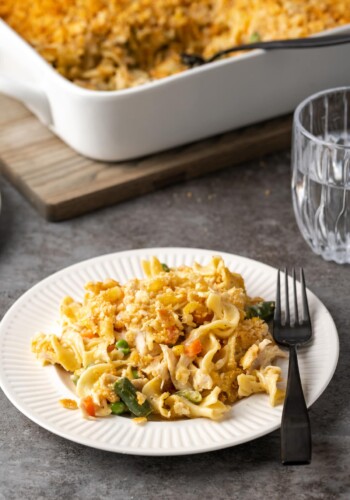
{"x":277,"y":316}
{"x":287,"y":321}
{"x":296,"y":315}
{"x":306,"y":313}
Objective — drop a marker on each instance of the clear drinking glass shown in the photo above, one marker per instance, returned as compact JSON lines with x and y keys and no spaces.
{"x":321,"y":173}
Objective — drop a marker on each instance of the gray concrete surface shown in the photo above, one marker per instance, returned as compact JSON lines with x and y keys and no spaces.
{"x":245,"y":210}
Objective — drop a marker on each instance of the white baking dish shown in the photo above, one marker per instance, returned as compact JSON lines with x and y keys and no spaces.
{"x":195,"y":104}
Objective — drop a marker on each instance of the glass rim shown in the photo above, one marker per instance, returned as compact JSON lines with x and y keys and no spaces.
{"x":304,"y":131}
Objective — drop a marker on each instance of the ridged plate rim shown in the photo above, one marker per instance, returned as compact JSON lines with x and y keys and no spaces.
{"x":29,"y":386}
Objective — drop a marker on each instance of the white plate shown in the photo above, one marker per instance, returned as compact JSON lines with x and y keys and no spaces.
{"x":35,"y":390}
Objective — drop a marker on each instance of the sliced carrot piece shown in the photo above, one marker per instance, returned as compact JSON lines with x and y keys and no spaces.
{"x":194,"y":348}
{"x":88,"y":335}
{"x":89,"y":406}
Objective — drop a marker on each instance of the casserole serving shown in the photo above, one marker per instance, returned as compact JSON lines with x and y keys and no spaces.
{"x":185,"y":107}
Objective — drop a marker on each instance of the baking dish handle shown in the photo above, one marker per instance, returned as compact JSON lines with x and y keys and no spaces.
{"x":31,"y":97}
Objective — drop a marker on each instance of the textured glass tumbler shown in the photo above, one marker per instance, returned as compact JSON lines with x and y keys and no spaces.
{"x":321,"y":173}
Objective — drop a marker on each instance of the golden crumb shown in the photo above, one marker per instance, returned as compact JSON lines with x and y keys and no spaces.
{"x":189,"y":194}
{"x":69,"y":404}
{"x":178,"y":350}
{"x":139,"y":420}
{"x":141,"y":398}
{"x":267,"y":192}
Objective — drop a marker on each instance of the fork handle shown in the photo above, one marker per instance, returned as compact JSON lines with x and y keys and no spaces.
{"x":295,"y":427}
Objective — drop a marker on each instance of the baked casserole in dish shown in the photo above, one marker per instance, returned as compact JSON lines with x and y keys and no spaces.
{"x":107,"y":75}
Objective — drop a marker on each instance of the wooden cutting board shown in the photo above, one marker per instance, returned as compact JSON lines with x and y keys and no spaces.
{"x":62,"y":184}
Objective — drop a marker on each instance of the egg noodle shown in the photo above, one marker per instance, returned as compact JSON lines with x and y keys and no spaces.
{"x":180,"y":343}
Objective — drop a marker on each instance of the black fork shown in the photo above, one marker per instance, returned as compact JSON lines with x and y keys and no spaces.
{"x":295,"y":426}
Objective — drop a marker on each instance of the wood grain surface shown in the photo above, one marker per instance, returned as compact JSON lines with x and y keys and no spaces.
{"x":62,"y":184}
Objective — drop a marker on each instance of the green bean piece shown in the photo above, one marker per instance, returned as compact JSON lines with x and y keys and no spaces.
{"x":165,"y":267}
{"x":263,"y":310}
{"x":118,"y":408}
{"x":123,"y":346}
{"x":193,"y":396}
{"x":127,"y":393}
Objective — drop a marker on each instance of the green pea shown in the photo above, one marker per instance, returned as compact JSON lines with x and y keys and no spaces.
{"x":118,"y":408}
{"x":123,"y":346}
{"x":135,"y":373}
